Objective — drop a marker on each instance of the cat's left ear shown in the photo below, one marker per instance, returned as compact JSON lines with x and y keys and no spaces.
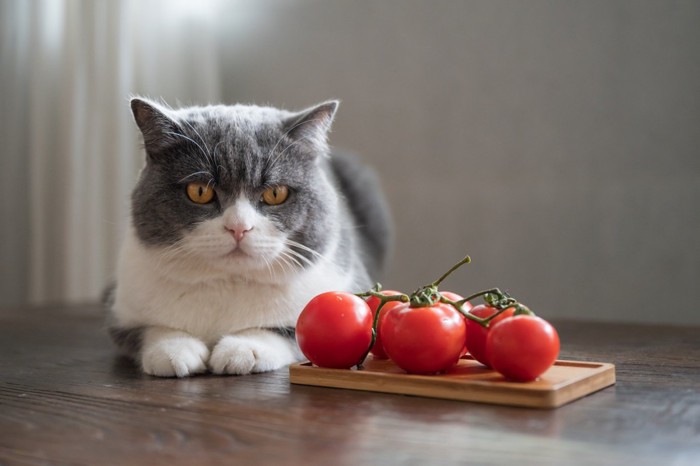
{"x":313,"y":124}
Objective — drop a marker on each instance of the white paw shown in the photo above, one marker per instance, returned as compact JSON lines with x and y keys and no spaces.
{"x":174,"y":356}
{"x":244,"y":354}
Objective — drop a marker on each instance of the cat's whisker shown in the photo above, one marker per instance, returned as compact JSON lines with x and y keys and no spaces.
{"x":284,"y":263}
{"x":270,"y":270}
{"x":299,"y":257}
{"x":315,"y":253}
{"x":304,"y":248}
{"x":291,"y":260}
{"x":297,"y":254}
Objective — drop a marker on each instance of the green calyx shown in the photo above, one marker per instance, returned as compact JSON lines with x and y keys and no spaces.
{"x":522,"y":310}
{"x":425,"y":297}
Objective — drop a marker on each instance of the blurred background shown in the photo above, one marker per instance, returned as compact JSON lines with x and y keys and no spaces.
{"x":556,"y":142}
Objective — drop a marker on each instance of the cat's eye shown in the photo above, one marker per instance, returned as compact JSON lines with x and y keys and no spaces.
{"x":200,"y":193}
{"x":275,"y":195}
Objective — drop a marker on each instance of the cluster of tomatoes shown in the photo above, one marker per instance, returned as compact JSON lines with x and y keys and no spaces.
{"x":426,"y":332}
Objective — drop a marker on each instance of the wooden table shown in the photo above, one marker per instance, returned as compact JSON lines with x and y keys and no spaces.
{"x":65,"y":398}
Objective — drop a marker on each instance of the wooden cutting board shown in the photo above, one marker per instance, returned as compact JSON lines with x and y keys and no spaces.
{"x":564,"y":382}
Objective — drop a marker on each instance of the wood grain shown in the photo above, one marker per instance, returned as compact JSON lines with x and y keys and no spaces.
{"x":564,"y":382}
{"x":66,"y":398}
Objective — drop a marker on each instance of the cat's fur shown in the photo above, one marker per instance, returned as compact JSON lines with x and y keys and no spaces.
{"x":194,"y":293}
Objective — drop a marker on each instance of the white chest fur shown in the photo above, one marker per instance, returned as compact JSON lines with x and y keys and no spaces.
{"x":151,"y":294}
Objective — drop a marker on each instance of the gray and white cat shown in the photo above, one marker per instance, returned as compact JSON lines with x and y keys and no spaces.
{"x":240,"y":216}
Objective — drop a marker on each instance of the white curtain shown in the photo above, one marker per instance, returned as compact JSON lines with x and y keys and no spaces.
{"x":68,"y":69}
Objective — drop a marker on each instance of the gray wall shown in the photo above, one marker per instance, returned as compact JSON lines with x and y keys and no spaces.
{"x":555,"y":142}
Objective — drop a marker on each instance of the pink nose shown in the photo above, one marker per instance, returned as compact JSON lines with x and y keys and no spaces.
{"x":238,"y":231}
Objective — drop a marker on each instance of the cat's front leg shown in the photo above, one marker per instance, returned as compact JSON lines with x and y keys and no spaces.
{"x":172,"y":353}
{"x":253,"y":350}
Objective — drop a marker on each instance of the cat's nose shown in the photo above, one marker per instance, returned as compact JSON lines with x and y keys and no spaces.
{"x":238,"y":231}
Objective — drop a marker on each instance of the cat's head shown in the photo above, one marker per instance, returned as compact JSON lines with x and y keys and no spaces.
{"x":235,"y":190}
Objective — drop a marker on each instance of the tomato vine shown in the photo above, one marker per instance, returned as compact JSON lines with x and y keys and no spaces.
{"x":429,"y":295}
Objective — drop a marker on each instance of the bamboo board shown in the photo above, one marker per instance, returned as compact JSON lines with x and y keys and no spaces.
{"x":564,"y":382}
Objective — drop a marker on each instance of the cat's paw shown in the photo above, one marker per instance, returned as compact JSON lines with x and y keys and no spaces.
{"x":174,"y":356}
{"x":245,"y":354}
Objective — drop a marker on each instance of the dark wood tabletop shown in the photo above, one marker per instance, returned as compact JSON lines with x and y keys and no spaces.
{"x":66,"y":398}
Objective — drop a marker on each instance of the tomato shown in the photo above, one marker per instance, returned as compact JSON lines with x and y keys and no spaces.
{"x":335,"y":329}
{"x":466,"y":306}
{"x":373,"y":302}
{"x":423,"y":340}
{"x":521,"y":348}
{"x":476,"y":333}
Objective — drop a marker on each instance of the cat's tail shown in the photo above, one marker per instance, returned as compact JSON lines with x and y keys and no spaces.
{"x":360,"y":186}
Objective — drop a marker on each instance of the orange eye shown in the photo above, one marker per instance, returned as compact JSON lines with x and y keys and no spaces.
{"x":200,"y":193}
{"x":275,"y":195}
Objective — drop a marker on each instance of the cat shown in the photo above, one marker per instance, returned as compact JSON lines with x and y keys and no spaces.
{"x":240,"y":216}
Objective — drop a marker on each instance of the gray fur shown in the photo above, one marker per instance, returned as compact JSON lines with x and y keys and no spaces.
{"x":367,"y":204}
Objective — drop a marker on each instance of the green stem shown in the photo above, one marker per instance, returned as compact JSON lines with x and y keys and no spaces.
{"x":483,"y":321}
{"x":495,"y":291}
{"x":466,"y":260}
{"x":383,"y":300}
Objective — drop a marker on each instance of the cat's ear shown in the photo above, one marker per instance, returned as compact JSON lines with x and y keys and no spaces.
{"x":157,"y":127}
{"x":312,"y":125}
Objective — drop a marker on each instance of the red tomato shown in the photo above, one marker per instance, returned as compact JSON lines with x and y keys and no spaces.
{"x":476,"y":334}
{"x":521,"y":348}
{"x":423,"y":340}
{"x":373,"y":302}
{"x":335,"y":329}
{"x":466,"y":306}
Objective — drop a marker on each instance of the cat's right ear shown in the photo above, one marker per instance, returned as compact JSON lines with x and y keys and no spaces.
{"x":313,"y":124}
{"x":157,"y":127}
